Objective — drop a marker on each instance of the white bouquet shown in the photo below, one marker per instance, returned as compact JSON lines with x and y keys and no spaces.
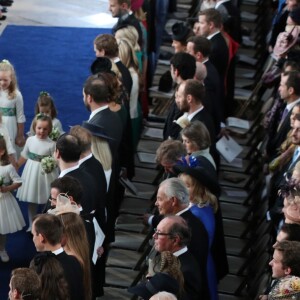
{"x":48,"y":164}
{"x":54,"y":134}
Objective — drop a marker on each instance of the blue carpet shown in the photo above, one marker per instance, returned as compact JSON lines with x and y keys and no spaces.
{"x":53,"y":59}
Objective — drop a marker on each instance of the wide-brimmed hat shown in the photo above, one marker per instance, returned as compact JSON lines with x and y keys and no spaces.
{"x":63,"y":206}
{"x":204,"y":173}
{"x":101,"y":64}
{"x":158,"y":283}
{"x":180,"y":31}
{"x":136,"y":4}
{"x":285,"y":41}
{"x":95,"y":130}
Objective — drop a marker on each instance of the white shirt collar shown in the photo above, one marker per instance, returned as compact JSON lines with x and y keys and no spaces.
{"x":58,"y":251}
{"x":191,"y":116}
{"x":116,"y":59}
{"x":291,"y":105}
{"x":68,"y":170}
{"x":181,"y":251}
{"x":97,"y":110}
{"x":213,"y":34}
{"x":220,"y":2}
{"x":182,"y":211}
{"x":85,"y":158}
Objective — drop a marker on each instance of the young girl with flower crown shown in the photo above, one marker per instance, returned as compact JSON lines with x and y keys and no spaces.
{"x":37,"y":179}
{"x":45,"y":105}
{"x":11,"y":218}
{"x":11,"y":104}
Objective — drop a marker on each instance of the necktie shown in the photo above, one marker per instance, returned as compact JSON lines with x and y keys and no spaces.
{"x":284,"y":114}
{"x":295,"y":155}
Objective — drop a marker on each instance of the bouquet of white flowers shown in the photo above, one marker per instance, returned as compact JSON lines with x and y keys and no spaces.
{"x":54,"y":134}
{"x":48,"y":164}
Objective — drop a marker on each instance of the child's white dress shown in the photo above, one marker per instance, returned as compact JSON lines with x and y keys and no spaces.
{"x":11,"y":218}
{"x":12,"y":111}
{"x":36,"y":184}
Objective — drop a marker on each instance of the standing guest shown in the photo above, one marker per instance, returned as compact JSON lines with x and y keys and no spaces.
{"x":51,"y":274}
{"x":210,"y":21}
{"x":75,"y":241}
{"x":89,"y":164}
{"x":36,"y":188}
{"x":173,"y":234}
{"x":47,"y":232}
{"x":200,"y":48}
{"x":24,"y":284}
{"x":173,"y":199}
{"x":121,"y":9}
{"x":180,"y":35}
{"x":106,"y":45}
{"x":96,"y":97}
{"x":11,"y":219}
{"x":11,"y":104}
{"x":183,"y":67}
{"x":129,"y":59}
{"x":195,"y":137}
{"x":203,"y":186}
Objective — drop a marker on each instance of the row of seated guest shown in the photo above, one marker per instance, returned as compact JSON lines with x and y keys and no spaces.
{"x":197,"y":203}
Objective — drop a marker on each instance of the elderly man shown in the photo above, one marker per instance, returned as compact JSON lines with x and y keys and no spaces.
{"x":173,"y":234}
{"x":173,"y":199}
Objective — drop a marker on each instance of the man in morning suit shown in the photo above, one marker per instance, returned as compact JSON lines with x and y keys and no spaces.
{"x":210,"y":24}
{"x":47,"y":231}
{"x":67,"y":154}
{"x":121,"y":9}
{"x":96,"y":97}
{"x":289,"y":90}
{"x":183,"y":67}
{"x":173,"y":199}
{"x":173,"y":234}
{"x":200,"y":48}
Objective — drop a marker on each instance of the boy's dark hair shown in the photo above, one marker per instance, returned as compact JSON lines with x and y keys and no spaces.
{"x":50,"y":227}
{"x":185,"y":64}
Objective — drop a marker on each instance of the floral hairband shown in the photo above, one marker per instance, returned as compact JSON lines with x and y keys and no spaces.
{"x":43,"y":93}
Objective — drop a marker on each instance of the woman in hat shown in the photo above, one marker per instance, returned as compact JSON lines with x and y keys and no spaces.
{"x":180,"y":35}
{"x":203,"y":188}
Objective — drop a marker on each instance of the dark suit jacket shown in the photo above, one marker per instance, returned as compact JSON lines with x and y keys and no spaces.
{"x":214,"y":95}
{"x":74,"y":275}
{"x":126,"y":77}
{"x":112,"y":125}
{"x":172,"y":129}
{"x":219,"y":55}
{"x":194,"y":286}
{"x":278,"y":138}
{"x":93,"y":167}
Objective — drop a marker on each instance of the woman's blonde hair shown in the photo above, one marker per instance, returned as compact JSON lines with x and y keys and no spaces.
{"x":129,"y":33}
{"x":77,"y":243}
{"x":6,"y":66}
{"x":101,"y":151}
{"x":127,"y":54}
{"x":200,"y":195}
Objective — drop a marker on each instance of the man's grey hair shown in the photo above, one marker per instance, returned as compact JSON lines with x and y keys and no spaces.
{"x":174,"y":187}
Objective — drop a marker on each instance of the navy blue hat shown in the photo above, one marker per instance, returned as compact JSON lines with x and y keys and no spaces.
{"x":96,"y":130}
{"x":158,"y":283}
{"x":180,"y":32}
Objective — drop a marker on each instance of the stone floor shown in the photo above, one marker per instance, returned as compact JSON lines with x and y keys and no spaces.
{"x":62,"y":13}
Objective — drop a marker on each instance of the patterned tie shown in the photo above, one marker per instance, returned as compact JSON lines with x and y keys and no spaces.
{"x":284,"y":114}
{"x":295,"y":155}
